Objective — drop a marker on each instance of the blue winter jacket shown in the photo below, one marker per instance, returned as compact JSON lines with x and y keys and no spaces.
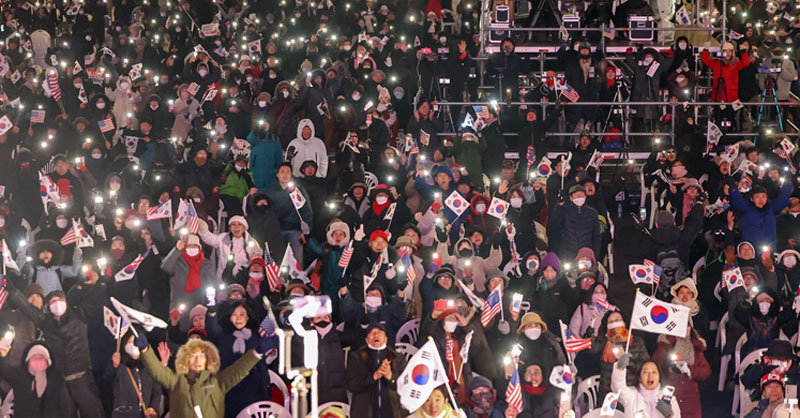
{"x":758,"y":225}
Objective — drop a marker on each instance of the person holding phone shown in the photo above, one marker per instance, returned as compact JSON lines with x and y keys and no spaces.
{"x":649,"y":397}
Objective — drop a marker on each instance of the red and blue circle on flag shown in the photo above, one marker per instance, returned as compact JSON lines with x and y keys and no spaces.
{"x":544,"y":170}
{"x":567,"y":377}
{"x":659,"y":314}
{"x":420,"y":374}
{"x":641,"y":273}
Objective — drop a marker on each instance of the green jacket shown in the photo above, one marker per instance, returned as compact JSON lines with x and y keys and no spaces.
{"x":237,"y":184}
{"x":207,"y":391}
{"x":469,"y":155}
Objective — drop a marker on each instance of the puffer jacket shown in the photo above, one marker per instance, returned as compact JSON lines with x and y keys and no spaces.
{"x":312,"y":149}
{"x":729,"y":74}
{"x":480,"y":266}
{"x":265,"y":157}
{"x":243,"y":249}
{"x":572,"y":228}
{"x":178,"y":270}
{"x":758,"y":225}
{"x":637,"y":398}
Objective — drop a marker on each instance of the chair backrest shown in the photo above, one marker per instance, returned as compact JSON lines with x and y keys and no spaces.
{"x":697,"y":266}
{"x":406,"y":349}
{"x":276,"y":380}
{"x":589,"y":388}
{"x":340,"y":405}
{"x":264,"y":409}
{"x":751,"y":358}
{"x":408,"y":332}
{"x":595,"y":413}
{"x":737,"y":351}
{"x":722,"y":331}
{"x":371,"y":180}
{"x":346,"y":353}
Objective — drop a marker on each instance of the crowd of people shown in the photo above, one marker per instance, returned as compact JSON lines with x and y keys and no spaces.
{"x":208,"y":163}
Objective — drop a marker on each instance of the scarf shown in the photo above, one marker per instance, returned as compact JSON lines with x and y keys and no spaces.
{"x":650,"y":398}
{"x":195,"y":264}
{"x":685,"y":349}
{"x":378,"y":209}
{"x":614,"y":339}
{"x":241,"y":336}
{"x":534,"y":390}
{"x":39,"y":381}
{"x":694,"y":308}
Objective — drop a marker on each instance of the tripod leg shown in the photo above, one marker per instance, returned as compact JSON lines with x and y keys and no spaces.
{"x":777,"y":109}
{"x":761,"y":106}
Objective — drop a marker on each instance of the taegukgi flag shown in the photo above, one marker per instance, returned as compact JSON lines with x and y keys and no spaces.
{"x":653,"y":315}
{"x":423,"y":373}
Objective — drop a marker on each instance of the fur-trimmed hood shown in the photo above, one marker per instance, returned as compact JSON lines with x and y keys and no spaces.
{"x":193,"y":346}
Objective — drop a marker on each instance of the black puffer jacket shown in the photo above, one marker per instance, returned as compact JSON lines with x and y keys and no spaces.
{"x":573,"y":228}
{"x":672,"y":238}
{"x":55,"y":401}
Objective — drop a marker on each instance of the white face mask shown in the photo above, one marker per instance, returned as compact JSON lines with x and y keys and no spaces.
{"x":58,"y":307}
{"x":101,"y":105}
{"x":262,"y":104}
{"x":381,"y":200}
{"x":192,"y":251}
{"x":124,"y":85}
{"x":789,"y":261}
{"x":77,"y":85}
{"x":682,"y":45}
{"x":97,"y":155}
{"x":516,"y":202}
{"x":249,"y":79}
{"x":579,"y":201}
{"x":61,"y":223}
{"x":2,"y":222}
{"x":273,"y":75}
{"x":256,"y":275}
{"x":480,"y":207}
{"x":356,"y":97}
{"x":647,"y":61}
{"x":764,"y":307}
{"x":450,"y":326}
{"x":285,"y":93}
{"x":132,"y":350}
{"x":202,"y":73}
{"x":196,"y":199}
{"x":374,"y":302}
{"x":533,"y":333}
{"x":616,"y":324}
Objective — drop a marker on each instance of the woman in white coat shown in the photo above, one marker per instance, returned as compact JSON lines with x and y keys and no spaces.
{"x":648,"y":396}
{"x":123,"y":99}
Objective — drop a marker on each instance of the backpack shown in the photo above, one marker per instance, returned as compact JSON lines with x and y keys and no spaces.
{"x":672,"y":271}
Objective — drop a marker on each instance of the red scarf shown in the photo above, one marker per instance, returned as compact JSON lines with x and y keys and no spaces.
{"x":534,"y":390}
{"x":378,"y":209}
{"x":195,"y":264}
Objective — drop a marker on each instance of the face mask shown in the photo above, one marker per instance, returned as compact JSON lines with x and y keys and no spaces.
{"x":789,"y":261}
{"x":347,"y":47}
{"x":249,"y":79}
{"x":221,"y":129}
{"x":61,"y":223}
{"x":238,"y":168}
{"x":117,"y":253}
{"x":101,"y":105}
{"x":443,"y":40}
{"x":516,"y":202}
{"x":154,"y":107}
{"x":2,"y":222}
{"x":356,"y":97}
{"x":132,"y":350}
{"x":273,"y":75}
{"x":202,"y":73}
{"x":576,"y":47}
{"x":97,"y":155}
{"x":579,"y":201}
{"x":764,"y":307}
{"x":466,"y":252}
{"x":450,"y":326}
{"x":480,"y":207}
{"x":532,"y":265}
{"x":398,"y":96}
{"x":381,"y":200}
{"x":124,"y":85}
{"x":374,"y":301}
{"x":77,"y":86}
{"x":262,"y":104}
{"x":647,"y":61}
{"x":680,"y":78}
{"x":196,"y":199}
{"x":192,"y":251}
{"x":598,"y":296}
{"x":616,"y":324}
{"x":255,"y":275}
{"x":682,"y":45}
{"x":285,"y":93}
{"x":58,"y":307}
{"x":533,"y":333}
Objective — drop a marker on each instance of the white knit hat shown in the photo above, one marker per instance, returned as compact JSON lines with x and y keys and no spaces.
{"x":240,"y":219}
{"x":41,"y":350}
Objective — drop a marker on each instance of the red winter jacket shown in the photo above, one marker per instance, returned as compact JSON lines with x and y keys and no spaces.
{"x":730,"y":75}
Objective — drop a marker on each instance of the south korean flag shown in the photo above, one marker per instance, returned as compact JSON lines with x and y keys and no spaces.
{"x":653,"y":315}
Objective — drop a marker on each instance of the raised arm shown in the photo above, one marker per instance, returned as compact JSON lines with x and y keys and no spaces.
{"x":161,"y":373}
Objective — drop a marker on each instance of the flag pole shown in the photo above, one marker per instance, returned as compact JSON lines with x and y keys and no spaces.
{"x":447,"y":384}
{"x":119,"y":329}
{"x":3,"y":250}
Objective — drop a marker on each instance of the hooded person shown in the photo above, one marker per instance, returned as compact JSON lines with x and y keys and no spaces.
{"x":312,"y":97}
{"x":235,"y":248}
{"x":467,"y":262}
{"x":685,"y":293}
{"x":39,"y":388}
{"x":763,"y":319}
{"x":554,"y":298}
{"x":337,"y":237}
{"x":540,"y":346}
{"x":266,"y":155}
{"x":197,"y":367}
{"x":46,"y":268}
{"x":263,"y":223}
{"x":123,"y":98}
{"x":483,"y":400}
{"x":307,"y":147}
{"x":378,"y":306}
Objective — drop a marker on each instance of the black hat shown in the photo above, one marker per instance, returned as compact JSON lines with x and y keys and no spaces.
{"x":758,"y":189}
{"x":779,"y":348}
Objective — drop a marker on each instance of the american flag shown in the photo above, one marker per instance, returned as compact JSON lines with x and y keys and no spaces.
{"x":414,"y":149}
{"x":602,"y":304}
{"x":514,"y":392}
{"x":405,"y":259}
{"x":575,"y":344}
{"x":491,"y":307}
{"x":69,"y":237}
{"x":273,"y":271}
{"x":194,"y":221}
{"x":3,"y":291}
{"x":37,"y":116}
{"x":106,"y":124}
{"x":531,"y":155}
{"x":52,"y":84}
{"x":570,"y":93}
{"x":347,"y":254}
{"x":161,"y":211}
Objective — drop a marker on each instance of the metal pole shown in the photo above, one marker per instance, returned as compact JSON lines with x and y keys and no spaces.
{"x":724,"y":20}
{"x":672,"y":133}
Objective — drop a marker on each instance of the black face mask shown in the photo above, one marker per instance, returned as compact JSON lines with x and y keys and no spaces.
{"x":465,"y":253}
{"x":322,"y":324}
{"x":585,"y":56}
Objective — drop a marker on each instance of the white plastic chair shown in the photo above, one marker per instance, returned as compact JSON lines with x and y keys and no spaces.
{"x":346,"y":353}
{"x":406,"y":349}
{"x":341,"y":405}
{"x":276,"y":380}
{"x":408,"y":332}
{"x":741,"y":392}
{"x":371,"y":180}
{"x":596,"y":414}
{"x":588,"y":388}
{"x":724,"y":359}
{"x":453,"y":22}
{"x":264,"y":409}
{"x":697,"y":266}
